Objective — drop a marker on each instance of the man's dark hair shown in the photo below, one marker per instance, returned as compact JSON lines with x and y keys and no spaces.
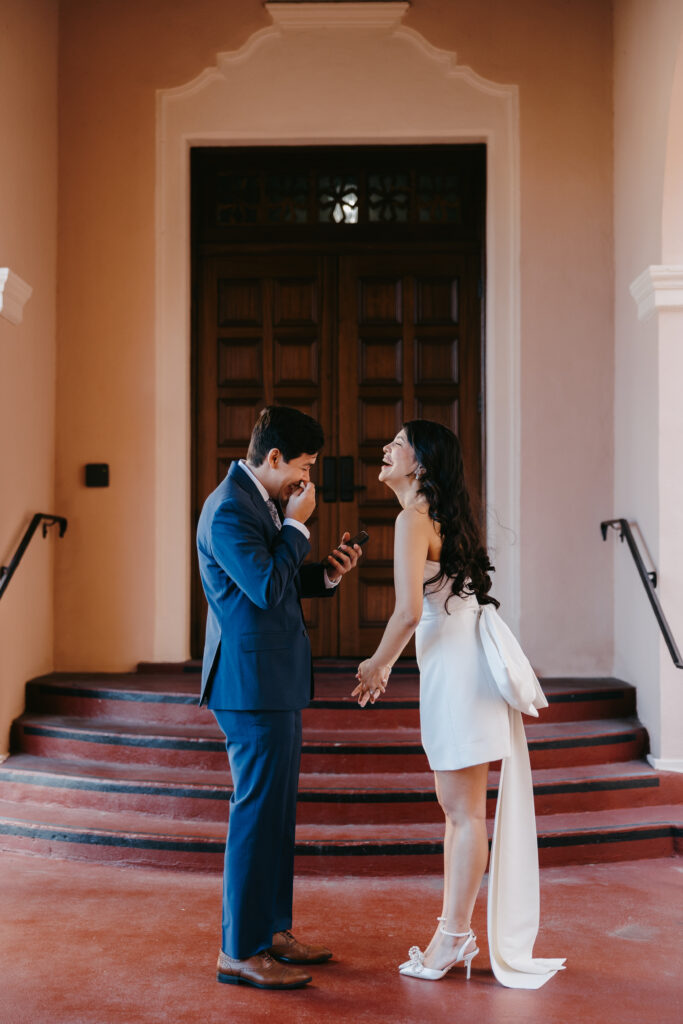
{"x":291,"y":431}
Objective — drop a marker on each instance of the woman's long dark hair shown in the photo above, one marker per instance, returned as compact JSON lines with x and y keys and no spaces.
{"x":463,"y":555}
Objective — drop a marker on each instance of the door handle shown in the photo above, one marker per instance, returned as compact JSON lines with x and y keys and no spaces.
{"x":347,"y":488}
{"x":329,"y":478}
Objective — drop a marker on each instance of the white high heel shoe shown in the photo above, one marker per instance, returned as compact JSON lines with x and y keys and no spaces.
{"x":415,"y":967}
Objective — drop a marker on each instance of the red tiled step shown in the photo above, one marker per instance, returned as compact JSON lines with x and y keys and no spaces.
{"x":325,"y":798}
{"x":326,"y":849}
{"x":569,"y":700}
{"x":562,"y":839}
{"x":572,"y":699}
{"x":145,"y":789}
{"x":172,"y":697}
{"x":592,"y":787}
{"x":202,"y":747}
{"x":73,"y":738}
{"x":115,"y":837}
{"x":128,"y":696}
{"x":550,"y":745}
{"x":402,"y":797}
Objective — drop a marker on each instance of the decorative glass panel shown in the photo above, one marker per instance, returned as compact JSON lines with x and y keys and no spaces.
{"x":438,"y":199}
{"x":388,"y":197}
{"x":338,"y":199}
{"x":287,"y":198}
{"x":285,"y":190}
{"x":238,"y":199}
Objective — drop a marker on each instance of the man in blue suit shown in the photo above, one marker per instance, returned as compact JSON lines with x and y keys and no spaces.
{"x":256,"y":678}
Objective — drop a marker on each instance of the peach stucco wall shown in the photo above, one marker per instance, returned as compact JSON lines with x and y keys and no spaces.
{"x":28,"y":246}
{"x":114,"y":55}
{"x":560,"y":55}
{"x":648,"y":44}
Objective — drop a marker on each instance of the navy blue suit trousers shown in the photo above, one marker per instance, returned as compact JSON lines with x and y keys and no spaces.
{"x":264,"y":750}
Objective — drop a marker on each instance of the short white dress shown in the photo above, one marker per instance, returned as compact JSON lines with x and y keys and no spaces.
{"x":465,"y":721}
{"x":463,"y":718}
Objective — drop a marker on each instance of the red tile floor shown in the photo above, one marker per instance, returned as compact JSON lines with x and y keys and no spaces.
{"x":92,"y":944}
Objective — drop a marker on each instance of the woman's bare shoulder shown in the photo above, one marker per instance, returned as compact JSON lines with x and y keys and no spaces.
{"x":414,"y":519}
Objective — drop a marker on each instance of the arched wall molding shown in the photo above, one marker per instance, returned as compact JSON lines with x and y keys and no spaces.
{"x":672,"y":196}
{"x":371,"y":80}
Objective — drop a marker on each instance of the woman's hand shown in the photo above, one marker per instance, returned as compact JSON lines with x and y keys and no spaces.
{"x":372,"y":681}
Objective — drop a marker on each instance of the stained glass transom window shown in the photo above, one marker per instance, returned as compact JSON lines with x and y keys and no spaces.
{"x":344,"y":189}
{"x":238,"y":199}
{"x":338,"y":199}
{"x":438,"y":199}
{"x":388,"y":197}
{"x":287,"y":198}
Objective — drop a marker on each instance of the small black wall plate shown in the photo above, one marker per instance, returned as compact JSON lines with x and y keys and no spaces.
{"x":97,"y":474}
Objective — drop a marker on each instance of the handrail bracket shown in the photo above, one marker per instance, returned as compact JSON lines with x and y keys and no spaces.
{"x":649,"y":580}
{"x":47,"y":520}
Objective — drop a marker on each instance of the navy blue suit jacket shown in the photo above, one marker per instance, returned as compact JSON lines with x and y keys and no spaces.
{"x":257,"y":655}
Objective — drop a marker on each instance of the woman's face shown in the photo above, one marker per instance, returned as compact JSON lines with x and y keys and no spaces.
{"x":399,"y":459}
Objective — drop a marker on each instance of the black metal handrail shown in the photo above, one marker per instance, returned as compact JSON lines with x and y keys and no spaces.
{"x":8,"y":571}
{"x":649,"y":582}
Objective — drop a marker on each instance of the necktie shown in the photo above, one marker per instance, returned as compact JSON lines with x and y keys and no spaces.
{"x":272,"y":508}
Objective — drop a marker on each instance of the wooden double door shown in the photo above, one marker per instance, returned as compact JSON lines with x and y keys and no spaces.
{"x":362,"y":341}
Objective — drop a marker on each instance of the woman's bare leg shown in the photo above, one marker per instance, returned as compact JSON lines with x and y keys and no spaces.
{"x":462,"y":796}
{"x":447,"y":847}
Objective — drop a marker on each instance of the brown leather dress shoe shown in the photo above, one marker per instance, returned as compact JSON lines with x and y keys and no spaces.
{"x":286,"y":948}
{"x":261,"y":971}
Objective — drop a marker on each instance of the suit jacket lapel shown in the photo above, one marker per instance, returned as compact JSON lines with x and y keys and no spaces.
{"x":239,"y":477}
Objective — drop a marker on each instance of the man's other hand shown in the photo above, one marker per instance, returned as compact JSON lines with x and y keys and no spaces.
{"x":343,"y":559}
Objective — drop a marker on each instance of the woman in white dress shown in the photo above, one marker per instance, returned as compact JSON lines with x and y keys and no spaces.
{"x":442,"y":580}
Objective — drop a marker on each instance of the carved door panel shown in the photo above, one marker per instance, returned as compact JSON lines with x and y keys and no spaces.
{"x":409,"y":347}
{"x":263,"y":339}
{"x":361,"y":342}
{"x":344,"y":280}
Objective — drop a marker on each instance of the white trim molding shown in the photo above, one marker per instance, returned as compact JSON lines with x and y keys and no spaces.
{"x":664,"y":764}
{"x":337,"y":15}
{"x":657,"y":289}
{"x":14,"y":294}
{"x":370,"y":81}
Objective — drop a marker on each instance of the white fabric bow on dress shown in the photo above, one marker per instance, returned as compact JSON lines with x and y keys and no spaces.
{"x":514,"y":892}
{"x":509,"y":665}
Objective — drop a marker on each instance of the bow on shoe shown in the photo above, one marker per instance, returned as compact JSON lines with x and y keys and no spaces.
{"x":416,"y":959}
